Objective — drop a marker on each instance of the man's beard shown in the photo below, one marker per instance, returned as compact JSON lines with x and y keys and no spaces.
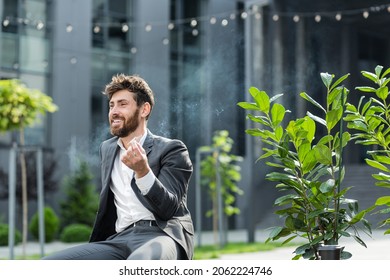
{"x":129,"y":126}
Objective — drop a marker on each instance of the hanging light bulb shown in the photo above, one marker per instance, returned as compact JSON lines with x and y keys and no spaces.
{"x":96,"y":29}
{"x":133,"y":50}
{"x":195,"y":32}
{"x":317,"y":18}
{"x":165,"y":41}
{"x":244,"y":15}
{"x":69,"y":28}
{"x":125,"y":27}
{"x":224,"y":22}
{"x":148,"y":27}
{"x":73,"y":60}
{"x":296,"y":18}
{"x":194,"y":22}
{"x":171,"y":26}
{"x":275,"y":17}
{"x":366,"y":14}
{"x":338,"y":16}
{"x":6,"y":22}
{"x":213,"y":20}
{"x":40,"y":25}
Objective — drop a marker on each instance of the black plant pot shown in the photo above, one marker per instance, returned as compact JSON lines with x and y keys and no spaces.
{"x":330,"y":252}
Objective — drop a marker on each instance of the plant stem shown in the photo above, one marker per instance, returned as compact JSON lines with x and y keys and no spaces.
{"x":335,"y":235}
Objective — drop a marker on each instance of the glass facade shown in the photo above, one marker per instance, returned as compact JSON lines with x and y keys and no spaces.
{"x":25,"y":50}
{"x":113,"y":51}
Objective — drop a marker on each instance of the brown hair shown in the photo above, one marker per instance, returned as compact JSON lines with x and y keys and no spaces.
{"x":139,"y":87}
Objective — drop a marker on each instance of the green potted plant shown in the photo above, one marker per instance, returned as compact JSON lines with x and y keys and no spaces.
{"x":370,"y":121}
{"x":309,"y":168}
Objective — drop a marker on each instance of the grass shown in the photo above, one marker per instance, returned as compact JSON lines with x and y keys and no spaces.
{"x":214,"y":251}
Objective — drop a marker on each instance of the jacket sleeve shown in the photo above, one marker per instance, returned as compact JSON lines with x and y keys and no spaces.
{"x":173,"y":170}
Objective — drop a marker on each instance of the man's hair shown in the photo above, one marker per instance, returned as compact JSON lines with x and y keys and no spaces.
{"x":135,"y":84}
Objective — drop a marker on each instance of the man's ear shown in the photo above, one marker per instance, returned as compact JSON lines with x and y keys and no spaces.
{"x":145,"y":112}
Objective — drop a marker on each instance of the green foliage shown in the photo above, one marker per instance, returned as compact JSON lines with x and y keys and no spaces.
{"x":4,"y":230}
{"x":371,"y":122}
{"x":311,"y":171}
{"x":81,"y":201}
{"x":52,"y":224}
{"x":21,"y":106}
{"x":76,"y":233}
{"x":229,"y":172}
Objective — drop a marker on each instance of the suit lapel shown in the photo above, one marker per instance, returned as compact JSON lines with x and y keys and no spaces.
{"x":108,"y":162}
{"x":148,"y":144}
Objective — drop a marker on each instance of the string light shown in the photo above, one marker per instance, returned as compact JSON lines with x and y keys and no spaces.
{"x":40,"y":25}
{"x":194,"y":22}
{"x":255,"y":10}
{"x":125,"y":28}
{"x":69,"y":28}
{"x":96,"y":29}
{"x":148,"y":27}
{"x":165,"y":41}
{"x":244,"y":14}
{"x":6,"y":22}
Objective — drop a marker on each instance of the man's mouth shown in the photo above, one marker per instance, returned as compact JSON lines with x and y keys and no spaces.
{"x":116,"y":122}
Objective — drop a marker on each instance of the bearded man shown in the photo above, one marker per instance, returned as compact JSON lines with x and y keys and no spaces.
{"x":143,"y":212}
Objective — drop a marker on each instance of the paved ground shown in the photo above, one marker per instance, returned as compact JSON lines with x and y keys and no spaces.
{"x":378,"y":247}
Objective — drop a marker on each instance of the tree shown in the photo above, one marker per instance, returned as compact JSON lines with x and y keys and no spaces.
{"x":229,"y":172}
{"x":21,"y":107}
{"x":81,"y":201}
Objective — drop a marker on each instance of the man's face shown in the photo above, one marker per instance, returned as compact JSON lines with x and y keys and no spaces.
{"x":124,"y":115}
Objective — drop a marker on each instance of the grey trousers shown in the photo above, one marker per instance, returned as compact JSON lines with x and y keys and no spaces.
{"x":134,"y":243}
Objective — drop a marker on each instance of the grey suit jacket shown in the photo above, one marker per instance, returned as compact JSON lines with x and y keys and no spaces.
{"x":167,"y":198}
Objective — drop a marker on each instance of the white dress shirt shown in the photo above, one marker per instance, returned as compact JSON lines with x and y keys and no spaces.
{"x":129,"y":209}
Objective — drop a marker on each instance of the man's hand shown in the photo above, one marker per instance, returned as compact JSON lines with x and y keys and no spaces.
{"x":135,"y":158}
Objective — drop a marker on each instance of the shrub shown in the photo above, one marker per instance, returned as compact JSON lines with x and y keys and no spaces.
{"x":76,"y":233}
{"x":81,"y":201}
{"x":52,"y":224}
{"x":4,"y":228}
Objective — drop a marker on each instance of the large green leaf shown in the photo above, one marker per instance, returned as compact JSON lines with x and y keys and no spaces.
{"x":384,"y":200}
{"x":323,"y":154}
{"x":327,"y":186}
{"x":333,"y":117}
{"x":377,"y":165}
{"x":277,"y":114}
{"x":307,"y":97}
{"x":248,"y":106}
{"x":261,"y":98}
{"x":370,"y":76}
{"x":327,"y":79}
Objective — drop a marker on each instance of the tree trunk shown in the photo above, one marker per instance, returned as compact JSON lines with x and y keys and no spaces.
{"x":24,"y":194}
